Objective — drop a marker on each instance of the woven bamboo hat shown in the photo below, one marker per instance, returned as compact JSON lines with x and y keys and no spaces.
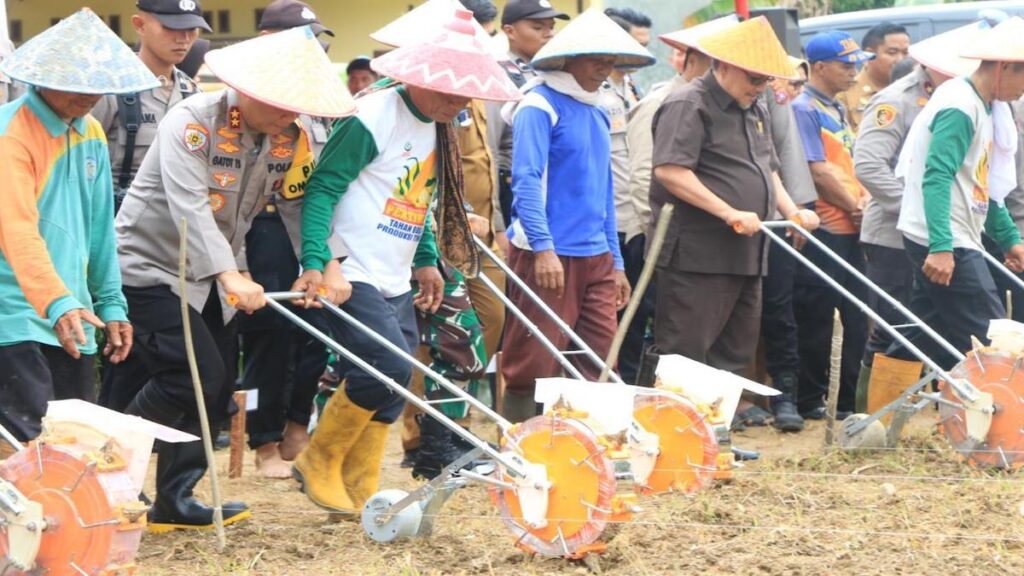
{"x":1003,"y":43}
{"x":80,"y":54}
{"x":592,"y":34}
{"x":455,"y":61}
{"x":942,"y":52}
{"x":751,"y":46}
{"x":686,"y":38}
{"x":423,"y":22}
{"x":309,"y":85}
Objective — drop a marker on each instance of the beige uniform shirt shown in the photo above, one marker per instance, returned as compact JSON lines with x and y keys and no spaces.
{"x":480,"y":172}
{"x":856,"y":99}
{"x":154,"y":105}
{"x":207,"y":166}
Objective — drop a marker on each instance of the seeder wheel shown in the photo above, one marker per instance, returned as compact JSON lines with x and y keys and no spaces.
{"x":1001,"y":375}
{"x":687,"y":447}
{"x":582,"y":486}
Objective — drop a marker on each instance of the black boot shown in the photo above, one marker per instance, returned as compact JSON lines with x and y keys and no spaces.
{"x":436,"y":449}
{"x":179,"y":467}
{"x":787,"y":418}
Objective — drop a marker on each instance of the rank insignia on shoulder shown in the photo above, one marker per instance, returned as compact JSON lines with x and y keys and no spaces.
{"x":196,"y":137}
{"x":225,"y":132}
{"x":282,"y":152}
{"x":885,"y":115}
{"x":228,"y":147}
{"x":281,"y":139}
{"x":235,"y":118}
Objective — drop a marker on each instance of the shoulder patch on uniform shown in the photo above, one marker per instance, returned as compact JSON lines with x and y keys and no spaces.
{"x":196,"y":137}
{"x":216,"y":201}
{"x":885,"y":115}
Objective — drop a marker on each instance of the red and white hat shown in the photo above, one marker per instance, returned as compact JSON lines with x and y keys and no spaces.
{"x":1000,"y":44}
{"x":455,"y":61}
{"x":423,"y":22}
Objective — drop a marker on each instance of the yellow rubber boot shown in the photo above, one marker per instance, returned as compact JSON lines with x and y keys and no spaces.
{"x":319,"y":466}
{"x":361,"y":470}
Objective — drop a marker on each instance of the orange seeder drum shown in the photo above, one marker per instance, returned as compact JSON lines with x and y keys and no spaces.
{"x":1000,"y":374}
{"x":581,"y":499}
{"x":687,"y":447}
{"x":94,"y":519}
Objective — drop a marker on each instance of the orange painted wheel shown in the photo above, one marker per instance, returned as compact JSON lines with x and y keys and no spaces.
{"x":582,"y":486}
{"x":1002,"y":376}
{"x":687,"y":447}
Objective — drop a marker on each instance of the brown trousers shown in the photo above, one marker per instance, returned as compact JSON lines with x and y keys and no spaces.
{"x":588,"y":307}
{"x":714,"y":319}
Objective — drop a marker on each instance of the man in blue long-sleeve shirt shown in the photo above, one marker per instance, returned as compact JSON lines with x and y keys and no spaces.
{"x":564,"y":239}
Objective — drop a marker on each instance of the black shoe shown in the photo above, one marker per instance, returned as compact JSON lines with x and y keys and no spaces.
{"x":436,"y":449}
{"x":816,"y":413}
{"x":787,"y":419}
{"x":409,"y":458}
{"x":742,"y":455}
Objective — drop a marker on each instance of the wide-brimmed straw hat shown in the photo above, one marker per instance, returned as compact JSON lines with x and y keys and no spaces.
{"x":455,"y":61}
{"x":287,"y":70}
{"x":423,"y":22}
{"x":941,"y":53}
{"x":80,"y":54}
{"x":592,"y":34}
{"x":1003,"y":43}
{"x":686,"y":38}
{"x":751,"y":46}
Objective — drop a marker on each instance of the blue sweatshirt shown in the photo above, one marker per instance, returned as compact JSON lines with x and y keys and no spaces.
{"x":562,"y":177}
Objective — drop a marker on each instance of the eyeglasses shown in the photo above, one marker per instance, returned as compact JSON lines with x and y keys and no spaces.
{"x":757,"y":80}
{"x":797,"y":84}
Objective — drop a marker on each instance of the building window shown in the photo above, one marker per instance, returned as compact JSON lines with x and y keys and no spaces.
{"x":15,"y":26}
{"x":115,"y":23}
{"x":208,"y":16}
{"x":224,"y":21}
{"x":259,"y":16}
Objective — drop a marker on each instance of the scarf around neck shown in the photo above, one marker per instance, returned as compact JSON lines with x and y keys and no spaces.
{"x":558,"y":81}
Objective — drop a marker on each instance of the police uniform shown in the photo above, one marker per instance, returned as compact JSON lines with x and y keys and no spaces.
{"x":500,"y":139}
{"x":857,"y":99}
{"x":885,"y":125}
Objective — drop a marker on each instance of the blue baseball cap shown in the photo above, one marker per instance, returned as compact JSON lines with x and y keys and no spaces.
{"x":835,"y":46}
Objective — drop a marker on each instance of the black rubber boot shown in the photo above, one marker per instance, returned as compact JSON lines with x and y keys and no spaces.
{"x":179,"y":468}
{"x":436,"y":449}
{"x":409,"y":458}
{"x":787,"y":418}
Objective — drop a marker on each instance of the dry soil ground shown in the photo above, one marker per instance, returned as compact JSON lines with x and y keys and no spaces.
{"x":915,"y":510}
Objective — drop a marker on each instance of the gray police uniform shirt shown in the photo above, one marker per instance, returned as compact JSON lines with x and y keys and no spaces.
{"x":207,"y":166}
{"x":883,"y":129}
{"x":794,"y":171}
{"x":154,"y":105}
{"x":617,"y":101}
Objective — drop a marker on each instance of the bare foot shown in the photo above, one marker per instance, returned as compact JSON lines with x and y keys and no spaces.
{"x":295,"y":439}
{"x":269,"y":463}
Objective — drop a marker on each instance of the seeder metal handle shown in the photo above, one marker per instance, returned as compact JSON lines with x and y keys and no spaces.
{"x":565,"y":328}
{"x":272,"y":301}
{"x":965,"y":389}
{"x":1002,"y":268}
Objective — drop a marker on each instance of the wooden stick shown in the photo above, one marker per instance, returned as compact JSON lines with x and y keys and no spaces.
{"x":834,"y":378}
{"x":197,"y":385}
{"x":237,"y":436}
{"x":1009,"y":304}
{"x":657,"y":241}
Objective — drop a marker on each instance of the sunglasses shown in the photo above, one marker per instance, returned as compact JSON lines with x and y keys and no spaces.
{"x":758,"y":80}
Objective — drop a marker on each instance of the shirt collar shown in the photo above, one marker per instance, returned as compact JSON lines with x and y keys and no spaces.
{"x":412,"y":107}
{"x":53,"y":123}
{"x":718,"y":94}
{"x":819,"y":95}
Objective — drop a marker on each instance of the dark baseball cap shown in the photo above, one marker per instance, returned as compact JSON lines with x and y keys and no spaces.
{"x":287,"y":14}
{"x":176,"y":14}
{"x":517,"y":10}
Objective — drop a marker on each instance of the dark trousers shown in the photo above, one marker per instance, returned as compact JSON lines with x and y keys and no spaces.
{"x":32,"y":374}
{"x":1004,"y":284}
{"x":815,"y":302}
{"x":957,"y":311}
{"x":155,"y":382}
{"x":634,"y":343}
{"x":710,"y":318}
{"x":588,"y":307}
{"x":890,"y":270}
{"x":392,"y":318}
{"x":280,"y":360}
{"x":778,"y":321}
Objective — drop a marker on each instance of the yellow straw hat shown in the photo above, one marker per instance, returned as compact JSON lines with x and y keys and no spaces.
{"x":424,"y":23}
{"x":592,"y":34}
{"x":686,"y":38}
{"x":941,"y":53}
{"x":751,"y":46}
{"x":309,"y":86}
{"x":1004,"y":43}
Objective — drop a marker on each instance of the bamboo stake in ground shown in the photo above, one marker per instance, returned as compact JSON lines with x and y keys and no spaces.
{"x":834,"y":378}
{"x":197,"y":385}
{"x":237,"y":436}
{"x":638,"y":291}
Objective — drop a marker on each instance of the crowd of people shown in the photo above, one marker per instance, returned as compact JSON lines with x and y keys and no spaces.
{"x":370,"y":196}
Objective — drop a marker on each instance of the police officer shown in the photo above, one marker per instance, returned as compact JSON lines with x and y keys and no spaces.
{"x":281,"y":361}
{"x":217,"y":160}
{"x":166,"y":29}
{"x":889,"y":43}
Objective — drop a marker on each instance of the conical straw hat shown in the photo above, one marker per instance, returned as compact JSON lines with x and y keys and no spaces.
{"x":288,"y":70}
{"x":454,"y":61}
{"x":752,"y":46}
{"x":686,"y":38}
{"x":942,"y":52}
{"x":592,"y":34}
{"x":1004,"y":43}
{"x":80,"y":54}
{"x":423,"y":23}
